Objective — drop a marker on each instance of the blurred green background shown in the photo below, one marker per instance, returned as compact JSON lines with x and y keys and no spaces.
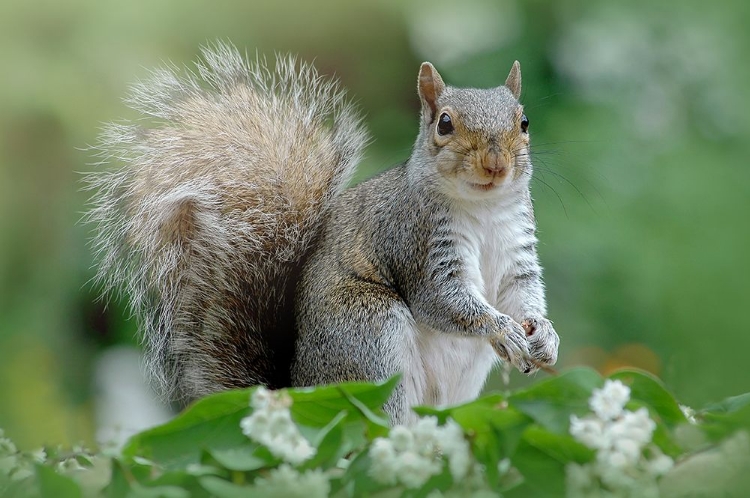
{"x":640,"y":127}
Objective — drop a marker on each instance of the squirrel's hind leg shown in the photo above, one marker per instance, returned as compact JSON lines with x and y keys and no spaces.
{"x":359,"y":331}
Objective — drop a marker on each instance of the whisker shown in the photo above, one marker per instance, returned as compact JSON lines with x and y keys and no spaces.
{"x":540,"y":102}
{"x":562,"y":177}
{"x":562,"y":204}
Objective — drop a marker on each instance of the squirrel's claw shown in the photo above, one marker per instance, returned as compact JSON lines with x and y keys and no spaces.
{"x":543,"y":340}
{"x":511,"y":345}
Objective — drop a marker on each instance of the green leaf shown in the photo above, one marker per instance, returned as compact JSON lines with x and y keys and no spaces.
{"x":337,"y":486}
{"x":54,"y":485}
{"x":361,"y":400}
{"x":140,"y":491}
{"x":489,"y":447}
{"x":561,"y":447}
{"x":377,"y":419}
{"x":648,"y":389}
{"x":223,"y":489}
{"x":119,"y":484}
{"x":203,"y":469}
{"x":329,"y":444}
{"x":664,"y":439}
{"x":728,"y":405}
{"x":243,"y":459}
{"x":136,"y":480}
{"x":551,"y":402}
{"x":23,"y":488}
{"x":725,"y":417}
{"x":543,"y":475}
{"x":322,"y":433}
{"x":441,"y":414}
{"x":211,"y":423}
{"x":494,"y":432}
{"x":717,"y":425}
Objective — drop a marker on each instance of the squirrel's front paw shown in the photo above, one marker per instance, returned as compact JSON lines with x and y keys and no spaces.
{"x":511,"y":344}
{"x":543,"y":340}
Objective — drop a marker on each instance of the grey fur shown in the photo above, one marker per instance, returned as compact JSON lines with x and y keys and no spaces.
{"x":429,"y":269}
{"x":391,"y":275}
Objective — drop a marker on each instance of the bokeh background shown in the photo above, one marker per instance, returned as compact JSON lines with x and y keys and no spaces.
{"x":640,"y":127}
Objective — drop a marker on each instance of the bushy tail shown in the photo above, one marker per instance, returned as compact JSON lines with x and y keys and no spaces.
{"x":207,"y":220}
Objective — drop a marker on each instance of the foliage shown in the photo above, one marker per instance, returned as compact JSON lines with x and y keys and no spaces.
{"x":640,"y":123}
{"x":523,"y":443}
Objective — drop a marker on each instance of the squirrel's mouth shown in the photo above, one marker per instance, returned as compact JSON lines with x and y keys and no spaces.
{"x":492,"y":179}
{"x":483,"y":187}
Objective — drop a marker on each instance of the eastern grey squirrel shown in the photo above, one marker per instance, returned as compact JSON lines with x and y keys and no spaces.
{"x":247,"y":260}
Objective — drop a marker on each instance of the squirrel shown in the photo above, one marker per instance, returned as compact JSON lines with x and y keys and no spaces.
{"x":247,"y":260}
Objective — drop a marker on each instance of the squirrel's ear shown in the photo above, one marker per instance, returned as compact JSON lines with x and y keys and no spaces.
{"x":513,"y":82}
{"x":430,"y":87}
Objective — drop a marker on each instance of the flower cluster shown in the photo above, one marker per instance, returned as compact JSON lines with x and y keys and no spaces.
{"x":14,"y":465}
{"x":627,"y":464}
{"x":286,"y":482}
{"x":8,"y":457}
{"x":271,"y":425}
{"x":410,"y":456}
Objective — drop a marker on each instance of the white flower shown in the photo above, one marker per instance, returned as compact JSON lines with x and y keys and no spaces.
{"x":459,"y":464}
{"x":286,"y":482}
{"x":415,"y":470}
{"x":8,"y":456}
{"x":612,"y":458}
{"x":629,"y":449}
{"x":425,"y":432}
{"x":39,"y":456}
{"x":8,"y":464}
{"x":617,"y":478}
{"x":638,"y":425}
{"x":659,"y":465}
{"x":609,"y":401}
{"x":263,"y":398}
{"x":384,"y":466}
{"x":6,"y":446}
{"x":402,"y":438}
{"x":271,"y":425}
{"x":69,"y":466}
{"x":589,"y":431}
{"x":689,"y":414}
{"x":456,"y":448}
{"x":411,"y":456}
{"x":622,"y":439}
{"x":22,"y":472}
{"x":483,"y":493}
{"x":579,"y":478}
{"x":408,"y":466}
{"x":503,"y":466}
{"x":647,"y":488}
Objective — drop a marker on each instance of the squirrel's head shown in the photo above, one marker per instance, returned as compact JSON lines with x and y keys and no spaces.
{"x":473,"y":143}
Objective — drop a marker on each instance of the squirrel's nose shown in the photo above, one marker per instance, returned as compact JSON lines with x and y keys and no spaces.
{"x":492,"y":170}
{"x":494,"y":163}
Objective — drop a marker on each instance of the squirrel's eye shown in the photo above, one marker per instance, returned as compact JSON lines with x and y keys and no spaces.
{"x":445,"y":125}
{"x":524,"y":124}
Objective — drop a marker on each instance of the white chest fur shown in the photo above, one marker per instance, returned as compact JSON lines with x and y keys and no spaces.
{"x":487,"y":242}
{"x":454,"y":369}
